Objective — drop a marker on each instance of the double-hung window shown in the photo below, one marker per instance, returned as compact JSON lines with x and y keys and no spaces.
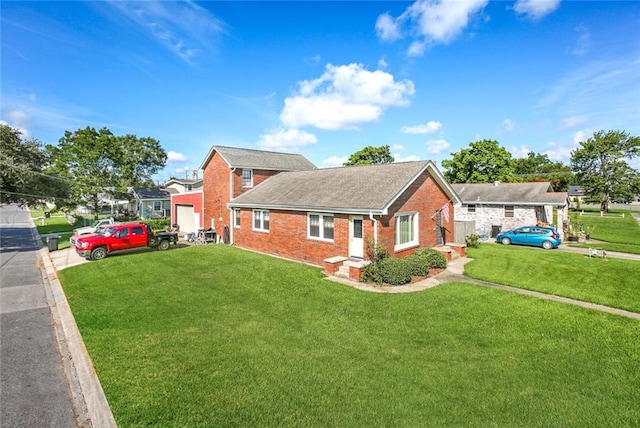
{"x":261,"y":220}
{"x":406,"y":231}
{"x":157,"y":205}
{"x":247,"y":178}
{"x":320,"y":226}
{"x":471,"y":208}
{"x":236,"y":217}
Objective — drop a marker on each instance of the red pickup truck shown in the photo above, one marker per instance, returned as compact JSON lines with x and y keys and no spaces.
{"x":122,"y":237}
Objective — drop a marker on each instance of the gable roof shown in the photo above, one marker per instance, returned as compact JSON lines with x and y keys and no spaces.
{"x":576,"y":191}
{"x":194,"y":181}
{"x":144,"y":193}
{"x":259,"y":159}
{"x":510,"y":193}
{"x":352,"y":189}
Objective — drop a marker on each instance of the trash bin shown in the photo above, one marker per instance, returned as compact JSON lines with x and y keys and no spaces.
{"x":52,"y":242}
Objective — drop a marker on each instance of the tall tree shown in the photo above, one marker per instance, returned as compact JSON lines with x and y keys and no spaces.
{"x":23,"y":174}
{"x":601,"y":165}
{"x":484,"y":161}
{"x":370,"y":155}
{"x":538,"y":167}
{"x":99,"y":164}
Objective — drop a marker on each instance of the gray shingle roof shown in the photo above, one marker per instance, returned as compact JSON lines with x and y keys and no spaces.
{"x":150,"y":193}
{"x":510,"y":193}
{"x":260,"y":159}
{"x":363,"y":189}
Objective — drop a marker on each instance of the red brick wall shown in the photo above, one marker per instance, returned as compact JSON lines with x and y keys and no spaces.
{"x":426,"y":197}
{"x":259,"y":176}
{"x":287,"y":236}
{"x":216,"y":193}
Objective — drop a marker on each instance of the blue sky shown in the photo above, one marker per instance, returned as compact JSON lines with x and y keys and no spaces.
{"x":324,"y":79}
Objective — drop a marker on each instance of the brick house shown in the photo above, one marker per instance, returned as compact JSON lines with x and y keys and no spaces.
{"x":314,"y":215}
{"x":187,"y":202}
{"x":228,"y":172}
{"x":495,"y":207}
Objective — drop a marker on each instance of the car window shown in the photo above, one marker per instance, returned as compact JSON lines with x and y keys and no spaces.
{"x":123,"y":233}
{"x":137,"y":230}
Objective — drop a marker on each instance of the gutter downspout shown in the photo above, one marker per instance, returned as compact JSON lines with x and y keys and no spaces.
{"x":231,"y":224}
{"x":375,"y":228}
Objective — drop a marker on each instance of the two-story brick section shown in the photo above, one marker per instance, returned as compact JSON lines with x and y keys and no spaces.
{"x":229,"y":172}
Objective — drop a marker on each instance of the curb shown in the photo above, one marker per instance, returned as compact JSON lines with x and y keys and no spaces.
{"x":90,"y":404}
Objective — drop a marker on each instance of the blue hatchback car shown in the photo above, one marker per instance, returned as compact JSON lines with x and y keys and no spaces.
{"x":535,"y":236}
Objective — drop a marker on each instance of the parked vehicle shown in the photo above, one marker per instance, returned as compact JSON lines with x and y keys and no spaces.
{"x":536,"y":236}
{"x":122,"y":237}
{"x":95,"y":228}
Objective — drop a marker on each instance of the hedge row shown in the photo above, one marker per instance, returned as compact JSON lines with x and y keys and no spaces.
{"x":399,"y":271}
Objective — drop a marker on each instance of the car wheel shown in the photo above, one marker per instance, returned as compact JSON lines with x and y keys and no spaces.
{"x":99,"y":253}
{"x":506,"y":241}
{"x":547,"y":245}
{"x":163,"y":245}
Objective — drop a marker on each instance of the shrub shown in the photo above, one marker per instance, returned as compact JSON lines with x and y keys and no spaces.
{"x":372,"y":273}
{"x":395,"y":271}
{"x":472,"y":240}
{"x":435,"y":259}
{"x":419,"y":265}
{"x":160,"y":224}
{"x":375,"y":252}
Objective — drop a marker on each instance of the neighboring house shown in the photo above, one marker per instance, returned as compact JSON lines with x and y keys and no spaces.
{"x":576,"y":195}
{"x":229,"y":171}
{"x":320,"y":214}
{"x":496,"y":207}
{"x":187,"y":203}
{"x":150,"y":203}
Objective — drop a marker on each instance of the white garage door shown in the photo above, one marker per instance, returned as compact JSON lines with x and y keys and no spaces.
{"x":185,"y":218}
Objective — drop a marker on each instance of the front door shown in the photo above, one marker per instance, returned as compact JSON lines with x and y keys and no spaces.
{"x":356,"y":241}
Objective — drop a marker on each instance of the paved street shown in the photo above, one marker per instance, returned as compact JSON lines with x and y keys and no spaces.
{"x":34,"y":391}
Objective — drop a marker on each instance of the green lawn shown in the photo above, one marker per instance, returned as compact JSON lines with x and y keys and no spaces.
{"x":620,"y":234}
{"x":611,"y":282}
{"x":217,"y":336}
{"x":56,"y":224}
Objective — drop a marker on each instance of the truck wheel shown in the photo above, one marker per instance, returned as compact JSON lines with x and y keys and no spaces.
{"x":99,"y":253}
{"x":163,"y":245}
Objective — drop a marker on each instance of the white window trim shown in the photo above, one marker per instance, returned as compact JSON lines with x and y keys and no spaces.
{"x":253,"y":221}
{"x":413,"y":243}
{"x":321,"y":227}
{"x":242,"y":176}
{"x":236,"y":218}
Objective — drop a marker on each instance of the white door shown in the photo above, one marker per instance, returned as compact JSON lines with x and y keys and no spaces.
{"x":356,"y":241}
{"x":184,"y":218}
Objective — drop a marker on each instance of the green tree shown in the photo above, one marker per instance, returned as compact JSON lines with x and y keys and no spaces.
{"x":484,"y":161}
{"x":370,"y":155}
{"x":601,"y":165}
{"x":23,"y":174}
{"x":538,"y":167}
{"x":99,"y":164}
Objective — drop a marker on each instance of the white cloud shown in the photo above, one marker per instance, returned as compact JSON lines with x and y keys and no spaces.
{"x":435,"y":147}
{"x":430,"y":128}
{"x":400,"y":158}
{"x":289,"y":140}
{"x":428,"y":21}
{"x":382,"y":63}
{"x":583,"y":42}
{"x":562,"y":151}
{"x":519,"y":152}
{"x":175,"y":156}
{"x":184,"y":28}
{"x":344,"y":97}
{"x":334,"y":161}
{"x":506,"y":126}
{"x":573,"y":121}
{"x":387,"y":28}
{"x":397,"y":147}
{"x":535,"y":9}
